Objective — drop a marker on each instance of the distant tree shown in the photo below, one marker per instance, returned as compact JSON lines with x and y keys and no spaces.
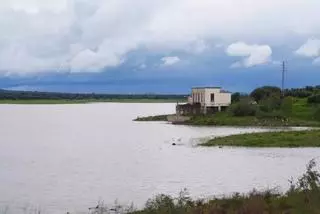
{"x":309,"y":88}
{"x":265,"y":92}
{"x":235,"y":97}
{"x":314,"y":99}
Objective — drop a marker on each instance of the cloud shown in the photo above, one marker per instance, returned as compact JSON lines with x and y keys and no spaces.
{"x":143,"y":66}
{"x":170,"y":60}
{"x":253,"y":54}
{"x":41,"y":36}
{"x":310,"y":49}
{"x":316,"y":61}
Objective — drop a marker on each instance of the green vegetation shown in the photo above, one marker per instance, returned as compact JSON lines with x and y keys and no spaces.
{"x":30,"y":97}
{"x":302,"y":197}
{"x":303,"y":92}
{"x":265,"y":92}
{"x":83,"y":101}
{"x":314,"y":99}
{"x":153,"y":118}
{"x":310,"y":138}
{"x":223,"y":119}
{"x":266,"y":107}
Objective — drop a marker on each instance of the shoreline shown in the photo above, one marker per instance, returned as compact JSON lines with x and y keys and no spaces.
{"x":232,"y":121}
{"x":54,"y":102}
{"x":269,"y":139}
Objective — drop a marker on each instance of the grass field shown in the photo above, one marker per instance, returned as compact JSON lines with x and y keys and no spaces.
{"x":310,"y":138}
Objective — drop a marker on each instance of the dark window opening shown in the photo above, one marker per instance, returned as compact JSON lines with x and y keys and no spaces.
{"x":212,"y":97}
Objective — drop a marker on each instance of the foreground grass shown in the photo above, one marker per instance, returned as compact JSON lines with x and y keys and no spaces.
{"x":83,"y":101}
{"x":303,"y":197}
{"x":309,"y":138}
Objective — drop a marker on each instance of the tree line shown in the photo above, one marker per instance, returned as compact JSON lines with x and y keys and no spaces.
{"x":35,"y":95}
{"x":271,"y":102}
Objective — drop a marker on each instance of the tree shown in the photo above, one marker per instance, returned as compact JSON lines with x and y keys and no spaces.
{"x":235,"y":97}
{"x":265,"y":92}
{"x":314,"y":99}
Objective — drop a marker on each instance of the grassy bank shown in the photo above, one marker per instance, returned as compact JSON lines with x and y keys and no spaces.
{"x":225,"y":119}
{"x":302,"y":114}
{"x":153,"y":118}
{"x":291,"y":139}
{"x":82,"y":101}
{"x":302,"y":197}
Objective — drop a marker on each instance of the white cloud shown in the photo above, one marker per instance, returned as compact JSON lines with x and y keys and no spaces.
{"x":253,"y":54}
{"x":143,"y":66}
{"x":316,"y":61}
{"x":310,"y":49}
{"x":41,"y":35}
{"x":170,"y":60}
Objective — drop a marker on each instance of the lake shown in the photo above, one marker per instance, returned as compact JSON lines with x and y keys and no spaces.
{"x":59,"y":158}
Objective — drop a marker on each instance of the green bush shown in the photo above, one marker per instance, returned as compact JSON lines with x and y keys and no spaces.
{"x":317,"y":114}
{"x":270,"y":104}
{"x":243,"y":108}
{"x":314,"y":99}
{"x":287,"y":106}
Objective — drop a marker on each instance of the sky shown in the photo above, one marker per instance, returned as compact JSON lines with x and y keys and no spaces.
{"x":159,"y":46}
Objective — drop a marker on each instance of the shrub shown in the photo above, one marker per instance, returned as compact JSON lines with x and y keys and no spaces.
{"x":314,"y":99}
{"x":270,"y":104}
{"x":317,"y":114}
{"x":243,"y":108}
{"x":287,"y":105}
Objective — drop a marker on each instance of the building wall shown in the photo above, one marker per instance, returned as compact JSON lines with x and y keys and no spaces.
{"x":198,"y":95}
{"x":203,"y":96}
{"x":223,"y":99}
{"x":208,"y":92}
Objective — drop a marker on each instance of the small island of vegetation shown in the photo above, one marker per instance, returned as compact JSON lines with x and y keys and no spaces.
{"x":290,"y":139}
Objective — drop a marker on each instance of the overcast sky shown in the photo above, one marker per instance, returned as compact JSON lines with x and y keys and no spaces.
{"x":49,"y":37}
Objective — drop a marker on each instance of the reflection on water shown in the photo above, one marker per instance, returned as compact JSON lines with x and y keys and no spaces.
{"x":67,"y":157}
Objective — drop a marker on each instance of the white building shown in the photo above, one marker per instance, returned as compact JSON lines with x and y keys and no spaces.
{"x":210,"y":98}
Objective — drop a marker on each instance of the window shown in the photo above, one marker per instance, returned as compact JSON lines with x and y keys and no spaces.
{"x":212,"y":97}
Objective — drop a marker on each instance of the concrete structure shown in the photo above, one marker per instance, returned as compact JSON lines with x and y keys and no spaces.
{"x":206,"y":100}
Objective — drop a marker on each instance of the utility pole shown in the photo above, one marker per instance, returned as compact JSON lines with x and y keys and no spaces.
{"x":283,"y":78}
